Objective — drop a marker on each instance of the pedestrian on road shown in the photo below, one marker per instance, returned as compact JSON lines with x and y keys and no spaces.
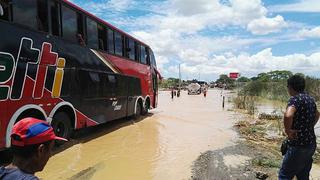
{"x":172,"y":94}
{"x":299,"y":120}
{"x":205,"y":93}
{"x":32,"y":141}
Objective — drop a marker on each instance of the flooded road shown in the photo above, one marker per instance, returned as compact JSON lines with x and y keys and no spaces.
{"x":162,"y":145}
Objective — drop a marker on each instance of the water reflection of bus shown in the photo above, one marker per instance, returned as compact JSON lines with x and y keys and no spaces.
{"x":60,"y":63}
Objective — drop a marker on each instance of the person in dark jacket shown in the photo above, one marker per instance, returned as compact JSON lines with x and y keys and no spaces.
{"x":299,"y":120}
{"x":31,"y":143}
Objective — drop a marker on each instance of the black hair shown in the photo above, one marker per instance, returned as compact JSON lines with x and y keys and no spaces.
{"x":26,"y":152}
{"x":297,"y":83}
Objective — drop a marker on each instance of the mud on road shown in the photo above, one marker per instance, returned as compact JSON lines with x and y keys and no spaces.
{"x":162,"y":145}
{"x":190,"y":137}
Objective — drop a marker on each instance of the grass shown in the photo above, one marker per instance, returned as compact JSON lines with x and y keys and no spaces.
{"x":266,"y":162}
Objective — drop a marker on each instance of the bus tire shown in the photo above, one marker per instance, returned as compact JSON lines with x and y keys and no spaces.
{"x":146,"y":108}
{"x":138,"y":110}
{"x":61,"y":124}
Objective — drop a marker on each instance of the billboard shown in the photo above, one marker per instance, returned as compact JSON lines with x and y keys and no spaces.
{"x":234,"y":75}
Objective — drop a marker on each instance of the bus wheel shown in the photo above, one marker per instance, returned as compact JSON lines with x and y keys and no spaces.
{"x":146,"y":108}
{"x":61,"y":126}
{"x":138,"y":110}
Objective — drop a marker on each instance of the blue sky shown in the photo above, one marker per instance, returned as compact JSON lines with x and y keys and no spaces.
{"x":213,"y":37}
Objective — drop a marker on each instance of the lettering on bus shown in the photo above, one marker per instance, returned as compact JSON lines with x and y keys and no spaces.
{"x":17,"y":71}
{"x":6,"y":69}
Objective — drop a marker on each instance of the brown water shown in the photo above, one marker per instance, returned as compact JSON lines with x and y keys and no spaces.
{"x":162,"y":145}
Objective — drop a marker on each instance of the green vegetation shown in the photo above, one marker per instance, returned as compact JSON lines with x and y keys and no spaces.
{"x":266,"y":162}
{"x":273,"y":85}
{"x":224,"y":79}
{"x":169,"y":83}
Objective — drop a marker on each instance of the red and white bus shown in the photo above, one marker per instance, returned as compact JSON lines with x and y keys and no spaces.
{"x":61,"y":64}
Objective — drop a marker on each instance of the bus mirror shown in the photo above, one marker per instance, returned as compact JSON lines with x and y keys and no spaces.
{"x":1,"y":10}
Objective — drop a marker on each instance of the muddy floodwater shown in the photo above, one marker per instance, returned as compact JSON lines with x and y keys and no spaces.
{"x":162,"y":145}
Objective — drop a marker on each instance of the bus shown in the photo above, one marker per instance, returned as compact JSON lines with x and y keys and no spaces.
{"x":64,"y":65}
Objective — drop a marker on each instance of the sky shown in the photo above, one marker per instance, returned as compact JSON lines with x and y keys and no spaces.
{"x":212,"y":37}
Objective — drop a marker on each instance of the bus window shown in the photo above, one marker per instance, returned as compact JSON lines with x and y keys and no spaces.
{"x":110,"y":85}
{"x":5,"y":10}
{"x":102,"y":37}
{"x":110,"y":41}
{"x":55,"y":18}
{"x":92,"y":33}
{"x":94,"y":85}
{"x":42,"y":19}
{"x":130,"y":49}
{"x":152,"y":59}
{"x":137,"y":48}
{"x":122,"y":89}
{"x":25,"y":13}
{"x":66,"y":87}
{"x":143,"y":55}
{"x":69,"y":24}
{"x":118,"y":44}
{"x":80,"y":29}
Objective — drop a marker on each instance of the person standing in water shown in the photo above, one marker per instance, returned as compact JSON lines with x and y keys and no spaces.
{"x":299,"y":120}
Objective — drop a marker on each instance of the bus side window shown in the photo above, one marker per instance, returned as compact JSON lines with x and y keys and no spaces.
{"x":94,"y":85}
{"x":122,"y":88}
{"x":152,"y":58}
{"x":69,"y":24}
{"x":66,"y":86}
{"x":130,"y":49}
{"x":143,"y":54}
{"x":80,"y":29}
{"x":5,"y":8}
{"x":118,"y":44}
{"x":112,"y":84}
{"x":137,"y":48}
{"x":92,"y":33}
{"x":110,"y":41}
{"x":102,"y":37}
{"x":54,"y":11}
{"x":25,"y":13}
{"x":42,"y":18}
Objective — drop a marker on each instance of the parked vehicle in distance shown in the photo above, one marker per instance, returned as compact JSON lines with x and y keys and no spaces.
{"x":194,"y":88}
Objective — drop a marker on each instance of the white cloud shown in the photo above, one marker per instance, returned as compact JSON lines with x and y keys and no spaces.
{"x":172,"y":30}
{"x":310,"y":33}
{"x":119,"y":5}
{"x":266,"y":25}
{"x":250,"y":65}
{"x":300,"y":6}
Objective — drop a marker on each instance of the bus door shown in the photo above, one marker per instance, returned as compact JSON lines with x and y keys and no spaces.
{"x":120,"y":104}
{"x":133,"y":92}
{"x":110,"y":99}
{"x":91,"y":96}
{"x":154,"y":89}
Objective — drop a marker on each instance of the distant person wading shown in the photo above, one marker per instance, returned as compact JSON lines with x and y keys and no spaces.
{"x":299,"y":120}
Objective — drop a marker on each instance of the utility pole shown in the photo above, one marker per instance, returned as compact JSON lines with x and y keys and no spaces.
{"x":179,"y":77}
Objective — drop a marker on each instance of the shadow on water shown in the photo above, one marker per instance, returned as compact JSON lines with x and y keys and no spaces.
{"x":84,"y":135}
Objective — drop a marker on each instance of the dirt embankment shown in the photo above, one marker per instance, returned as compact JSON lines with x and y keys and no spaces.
{"x":256,"y":155}
{"x":248,"y":159}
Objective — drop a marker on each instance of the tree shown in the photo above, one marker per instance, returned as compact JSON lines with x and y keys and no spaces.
{"x":224,"y":79}
{"x":169,"y":83}
{"x":243,"y":79}
{"x":273,"y":76}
